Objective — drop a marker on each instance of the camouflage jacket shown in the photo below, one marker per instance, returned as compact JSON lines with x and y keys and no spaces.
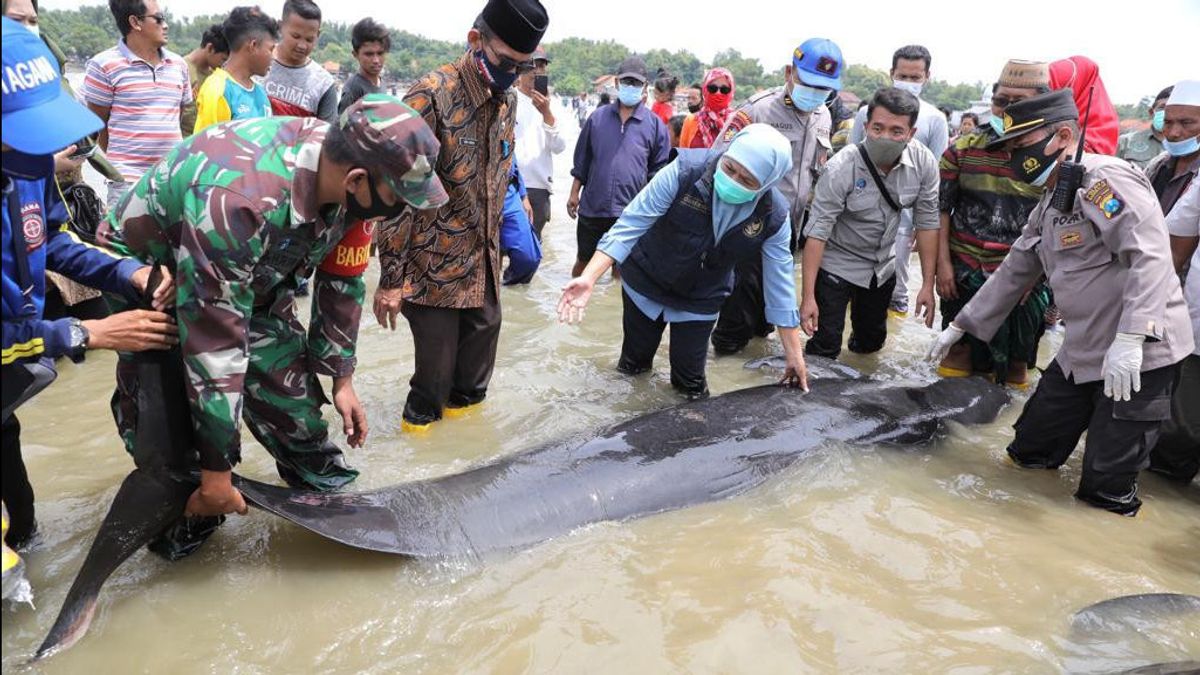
{"x":438,"y":257}
{"x":233,"y":212}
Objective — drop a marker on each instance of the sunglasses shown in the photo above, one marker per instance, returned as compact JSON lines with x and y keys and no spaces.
{"x":505,"y":63}
{"x":160,"y":19}
{"x":723,"y":89}
{"x":1004,"y":101}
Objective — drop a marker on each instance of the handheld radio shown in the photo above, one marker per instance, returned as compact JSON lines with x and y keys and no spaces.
{"x":1070,"y":175}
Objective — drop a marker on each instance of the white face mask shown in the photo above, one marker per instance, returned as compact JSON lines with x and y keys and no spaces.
{"x":35,"y":29}
{"x":913,"y":88}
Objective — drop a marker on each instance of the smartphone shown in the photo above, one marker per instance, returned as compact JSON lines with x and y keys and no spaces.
{"x":541,"y":84}
{"x":83,"y":149}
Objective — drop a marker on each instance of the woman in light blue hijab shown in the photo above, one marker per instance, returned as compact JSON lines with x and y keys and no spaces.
{"x":677,"y":244}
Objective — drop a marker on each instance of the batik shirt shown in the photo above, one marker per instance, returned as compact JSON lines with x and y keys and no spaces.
{"x":233,"y":213}
{"x":446,"y":257}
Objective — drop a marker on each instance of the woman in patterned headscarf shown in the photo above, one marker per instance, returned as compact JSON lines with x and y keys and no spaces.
{"x":702,"y":129}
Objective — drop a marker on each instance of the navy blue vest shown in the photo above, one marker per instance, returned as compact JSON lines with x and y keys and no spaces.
{"x":677,"y":262}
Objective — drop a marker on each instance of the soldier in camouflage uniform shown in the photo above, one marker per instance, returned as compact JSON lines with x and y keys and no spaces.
{"x":242,"y":213}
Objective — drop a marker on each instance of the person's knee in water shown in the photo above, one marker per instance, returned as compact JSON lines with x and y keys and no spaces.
{"x":1114,"y":378}
{"x":678,"y":244}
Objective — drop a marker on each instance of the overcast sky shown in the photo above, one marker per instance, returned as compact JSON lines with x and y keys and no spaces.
{"x":969,"y":40}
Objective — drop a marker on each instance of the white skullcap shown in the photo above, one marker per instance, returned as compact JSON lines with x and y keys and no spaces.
{"x":1186,"y":92}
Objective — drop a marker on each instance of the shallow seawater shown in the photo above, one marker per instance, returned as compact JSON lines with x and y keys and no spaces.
{"x":944,"y":558}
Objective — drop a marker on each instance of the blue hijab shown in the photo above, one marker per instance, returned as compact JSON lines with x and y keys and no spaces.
{"x":767,"y":155}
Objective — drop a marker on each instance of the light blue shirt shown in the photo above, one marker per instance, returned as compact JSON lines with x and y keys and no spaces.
{"x":779,"y":284}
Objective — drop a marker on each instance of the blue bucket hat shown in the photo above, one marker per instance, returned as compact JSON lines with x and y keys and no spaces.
{"x":818,"y":63}
{"x":39,"y":118}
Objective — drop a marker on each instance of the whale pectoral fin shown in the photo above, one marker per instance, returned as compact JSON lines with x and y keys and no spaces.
{"x":365,"y":520}
{"x":145,"y":505}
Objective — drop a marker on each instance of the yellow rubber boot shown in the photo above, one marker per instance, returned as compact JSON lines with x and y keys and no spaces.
{"x":414,"y":428}
{"x":461,"y":411}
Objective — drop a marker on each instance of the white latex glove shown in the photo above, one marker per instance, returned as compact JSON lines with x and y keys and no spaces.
{"x":943,"y":342}
{"x":1123,"y":367}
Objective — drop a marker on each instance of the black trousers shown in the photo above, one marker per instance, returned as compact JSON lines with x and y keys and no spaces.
{"x":1120,"y":433}
{"x":743,"y":315}
{"x":868,"y":315}
{"x":455,"y":355}
{"x":1177,"y":453}
{"x":17,"y":490}
{"x":688,"y":350}
{"x":539,"y":199}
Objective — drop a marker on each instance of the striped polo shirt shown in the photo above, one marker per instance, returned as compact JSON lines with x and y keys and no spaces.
{"x":144,"y":103}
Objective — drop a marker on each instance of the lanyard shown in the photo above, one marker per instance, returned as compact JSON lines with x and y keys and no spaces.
{"x":20,"y":248}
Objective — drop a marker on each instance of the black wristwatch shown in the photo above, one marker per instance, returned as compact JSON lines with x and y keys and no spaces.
{"x":79,"y":340}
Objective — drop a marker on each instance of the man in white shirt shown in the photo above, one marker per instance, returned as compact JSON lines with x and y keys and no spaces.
{"x":910,"y":72}
{"x":537,"y":139}
{"x":1177,"y":454}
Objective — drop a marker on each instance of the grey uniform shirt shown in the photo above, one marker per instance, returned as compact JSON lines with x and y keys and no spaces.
{"x":1109,"y":265}
{"x":851,"y":216}
{"x":807,"y":132}
{"x":1139,"y":147}
{"x":932,"y":131}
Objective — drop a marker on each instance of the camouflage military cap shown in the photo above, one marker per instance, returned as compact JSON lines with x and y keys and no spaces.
{"x":386,"y":128}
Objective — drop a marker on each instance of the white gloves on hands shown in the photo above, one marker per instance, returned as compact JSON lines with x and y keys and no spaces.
{"x":943,"y":342}
{"x":1123,"y":367}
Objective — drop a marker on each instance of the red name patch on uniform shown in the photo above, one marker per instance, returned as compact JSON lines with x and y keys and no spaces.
{"x":349,"y":258}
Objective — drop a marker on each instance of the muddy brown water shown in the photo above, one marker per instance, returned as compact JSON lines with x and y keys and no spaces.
{"x":938,"y":559}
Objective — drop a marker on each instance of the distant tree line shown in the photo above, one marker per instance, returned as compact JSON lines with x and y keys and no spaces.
{"x":88,"y":30}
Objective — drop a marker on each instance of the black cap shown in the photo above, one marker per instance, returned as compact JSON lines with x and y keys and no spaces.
{"x":1036,"y":112}
{"x":520,"y":24}
{"x":632,"y":66}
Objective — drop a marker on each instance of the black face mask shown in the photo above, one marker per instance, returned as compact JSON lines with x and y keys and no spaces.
{"x":694,"y":107}
{"x":377,"y":209}
{"x":1030,"y":163}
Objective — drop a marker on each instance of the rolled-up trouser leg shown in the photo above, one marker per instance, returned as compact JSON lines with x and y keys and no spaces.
{"x":475,"y":356}
{"x":17,"y":490}
{"x":743,"y":315}
{"x":868,"y":317}
{"x":689,"y":350}
{"x":1177,"y":453}
{"x":642,"y":335}
{"x":282,"y":403}
{"x":1119,"y":439}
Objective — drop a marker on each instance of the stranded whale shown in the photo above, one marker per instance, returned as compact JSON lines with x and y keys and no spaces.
{"x":689,"y":454}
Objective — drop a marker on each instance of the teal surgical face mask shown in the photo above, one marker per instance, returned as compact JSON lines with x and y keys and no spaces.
{"x":729,"y":190}
{"x":807,"y":98}
{"x":629,"y":95}
{"x":997,"y":125}
{"x":1159,"y":120}
{"x":1181,"y":148}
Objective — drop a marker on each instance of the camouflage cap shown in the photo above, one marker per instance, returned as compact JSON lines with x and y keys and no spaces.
{"x":384,"y":127}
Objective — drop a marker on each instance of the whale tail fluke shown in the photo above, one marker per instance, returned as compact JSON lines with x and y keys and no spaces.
{"x":144,"y":507}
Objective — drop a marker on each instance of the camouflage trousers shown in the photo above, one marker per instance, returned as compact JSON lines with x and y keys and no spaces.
{"x":281,"y":402}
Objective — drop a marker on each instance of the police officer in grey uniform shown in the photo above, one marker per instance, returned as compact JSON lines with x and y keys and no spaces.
{"x":1108,"y":260}
{"x":797,"y":111}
